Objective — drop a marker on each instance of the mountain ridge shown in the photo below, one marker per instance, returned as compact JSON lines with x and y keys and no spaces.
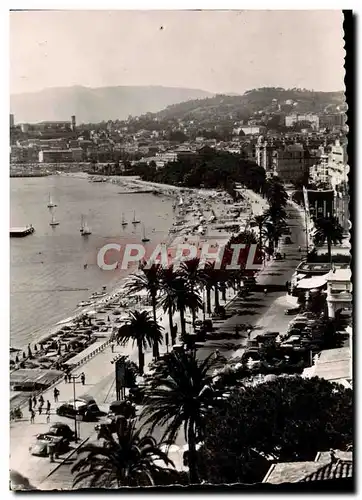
{"x":96,"y":104}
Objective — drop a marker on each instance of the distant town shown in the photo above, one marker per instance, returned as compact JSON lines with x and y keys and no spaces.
{"x":279,"y":134}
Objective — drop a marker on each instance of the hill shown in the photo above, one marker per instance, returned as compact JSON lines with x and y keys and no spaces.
{"x":93,"y":105}
{"x":224,"y":107}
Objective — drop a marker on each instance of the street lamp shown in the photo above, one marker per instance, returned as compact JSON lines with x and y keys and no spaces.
{"x":74,"y":378}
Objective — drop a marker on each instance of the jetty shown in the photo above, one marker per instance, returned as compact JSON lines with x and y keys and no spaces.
{"x":20,"y":232}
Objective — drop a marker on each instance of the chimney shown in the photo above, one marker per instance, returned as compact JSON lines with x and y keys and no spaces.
{"x":73,"y":122}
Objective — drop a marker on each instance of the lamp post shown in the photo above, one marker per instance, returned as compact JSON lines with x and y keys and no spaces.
{"x":118,"y":362}
{"x":74,"y":378}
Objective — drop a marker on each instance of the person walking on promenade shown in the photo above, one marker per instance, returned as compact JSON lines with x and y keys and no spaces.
{"x":34,"y":401}
{"x":41,"y":400}
{"x":32,"y":416}
{"x":30,"y":402}
{"x":48,"y":407}
{"x":66,"y":378}
{"x":249,"y":334}
{"x":299,"y":249}
{"x":56,"y":395}
{"x":112,"y":347}
{"x":265,"y":291}
{"x":82,"y":378}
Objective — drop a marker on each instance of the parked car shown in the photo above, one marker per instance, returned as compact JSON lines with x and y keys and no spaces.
{"x":62,"y":430}
{"x":293,"y":310}
{"x":123,"y":408}
{"x":136,"y":394}
{"x":40,"y":445}
{"x":83,"y":409}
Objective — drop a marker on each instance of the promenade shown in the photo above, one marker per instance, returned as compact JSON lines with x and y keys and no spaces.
{"x":262,"y":312}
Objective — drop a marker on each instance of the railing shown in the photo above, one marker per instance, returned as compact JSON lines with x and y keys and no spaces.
{"x":61,"y":375}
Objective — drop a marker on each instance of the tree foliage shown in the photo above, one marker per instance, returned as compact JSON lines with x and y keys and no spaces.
{"x":287,"y":419}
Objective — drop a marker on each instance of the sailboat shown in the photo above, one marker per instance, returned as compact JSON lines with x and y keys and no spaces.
{"x":144,"y":239}
{"x":53,"y":222}
{"x":124,"y":222}
{"x":84,"y":228}
{"x":135,"y":221}
{"x":50,"y":202}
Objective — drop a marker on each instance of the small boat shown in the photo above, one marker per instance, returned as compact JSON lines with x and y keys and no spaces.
{"x":50,"y":202}
{"x":124,"y":222}
{"x":84,"y":228}
{"x":135,"y":221}
{"x":53,"y":222}
{"x":145,"y":239}
{"x":84,"y":303}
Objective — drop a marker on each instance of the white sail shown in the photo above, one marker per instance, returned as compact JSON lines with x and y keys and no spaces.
{"x":84,"y":228}
{"x":51,"y":204}
{"x":135,"y":221}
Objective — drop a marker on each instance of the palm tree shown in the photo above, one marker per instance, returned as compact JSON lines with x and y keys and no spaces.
{"x":143,"y":330}
{"x":275,"y":193}
{"x":180,"y":397}
{"x":167,"y":279}
{"x":209,"y":277}
{"x":125,"y":459}
{"x":192,"y":272}
{"x":149,"y":282}
{"x":328,"y":228}
{"x":259,"y":221}
{"x":185,"y":298}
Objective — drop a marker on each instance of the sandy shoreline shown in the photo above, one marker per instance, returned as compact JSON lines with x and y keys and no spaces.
{"x":188,"y":202}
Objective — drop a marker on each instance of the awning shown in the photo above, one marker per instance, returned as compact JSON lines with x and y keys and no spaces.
{"x":314,"y":282}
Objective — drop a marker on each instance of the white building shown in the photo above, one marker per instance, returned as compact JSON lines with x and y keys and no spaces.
{"x":319,"y":172}
{"x":337,"y":164}
{"x":290,"y":120}
{"x":339,"y":291}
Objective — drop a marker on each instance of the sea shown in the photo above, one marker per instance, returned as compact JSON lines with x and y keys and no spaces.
{"x":55,"y":268}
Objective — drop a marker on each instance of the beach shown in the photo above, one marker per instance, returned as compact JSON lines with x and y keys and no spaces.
{"x":199,"y":216}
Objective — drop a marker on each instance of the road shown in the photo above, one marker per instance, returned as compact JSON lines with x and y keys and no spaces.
{"x":262,"y":312}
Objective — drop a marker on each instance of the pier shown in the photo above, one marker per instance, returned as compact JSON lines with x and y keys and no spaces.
{"x":20,"y":232}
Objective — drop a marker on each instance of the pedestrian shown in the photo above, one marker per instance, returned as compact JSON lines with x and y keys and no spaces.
{"x":112,"y":347}
{"x":82,"y":378}
{"x":32,"y":416}
{"x":265,"y":291}
{"x":41,"y":400}
{"x":249,"y":334}
{"x":69,"y":377}
{"x":56,"y":394}
{"x":30,"y":402}
{"x":299,"y":249}
{"x":48,"y":418}
{"x":34,"y":401}
{"x":66,"y":378}
{"x":48,"y":407}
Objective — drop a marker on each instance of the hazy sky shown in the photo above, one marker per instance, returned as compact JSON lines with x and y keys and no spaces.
{"x":219,"y":51}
